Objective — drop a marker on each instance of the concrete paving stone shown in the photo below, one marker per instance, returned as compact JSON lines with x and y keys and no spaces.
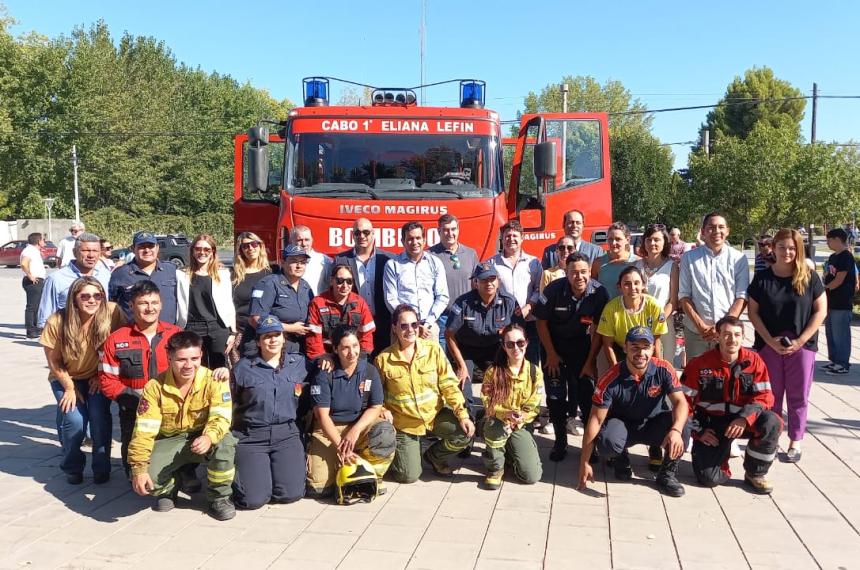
{"x":415,"y":516}
{"x":522,"y":536}
{"x":124,"y":548}
{"x":277,"y":531}
{"x":169,"y":559}
{"x":516,"y":500}
{"x":163,"y":524}
{"x":192,"y":538}
{"x":643,"y":554}
{"x":505,"y":564}
{"x":468,"y":505}
{"x":433,"y":555}
{"x":391,"y":538}
{"x":361,"y":559}
{"x":322,"y":547}
{"x":43,"y":555}
{"x":341,"y":521}
{"x":583,"y":515}
{"x":288,"y":563}
{"x":305,"y":509}
{"x":242,"y":554}
{"x":454,"y":530}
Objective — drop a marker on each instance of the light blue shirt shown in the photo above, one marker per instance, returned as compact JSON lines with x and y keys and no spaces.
{"x":367,"y":281}
{"x":712,"y":281}
{"x":57,"y":285}
{"x":421,"y":285}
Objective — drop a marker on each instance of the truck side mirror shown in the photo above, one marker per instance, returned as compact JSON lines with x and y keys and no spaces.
{"x":545,"y":161}
{"x":258,"y":159}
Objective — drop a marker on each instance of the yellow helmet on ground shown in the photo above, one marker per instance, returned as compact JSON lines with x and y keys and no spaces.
{"x":356,"y":482}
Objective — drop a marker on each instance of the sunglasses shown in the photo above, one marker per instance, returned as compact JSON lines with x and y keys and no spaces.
{"x":87,"y":296}
{"x":510,"y":344}
{"x":250,"y":245}
{"x":567,"y":248}
{"x":343,"y":280}
{"x":657,"y":227}
{"x":365,"y":233}
{"x":202,"y":250}
{"x":455,"y":261}
{"x":406,"y":326}
{"x":107,"y":247}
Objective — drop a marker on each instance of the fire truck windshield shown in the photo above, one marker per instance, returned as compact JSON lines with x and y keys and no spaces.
{"x":390,"y":165}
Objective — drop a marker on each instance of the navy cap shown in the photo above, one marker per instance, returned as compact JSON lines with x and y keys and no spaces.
{"x":484,"y":271}
{"x":294,"y":251}
{"x":144,"y":237}
{"x":640,"y":333}
{"x":269,"y":324}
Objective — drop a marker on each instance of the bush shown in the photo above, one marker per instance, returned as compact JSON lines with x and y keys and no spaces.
{"x":119,"y":226}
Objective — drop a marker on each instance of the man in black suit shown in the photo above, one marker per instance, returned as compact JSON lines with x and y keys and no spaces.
{"x":367,"y":264}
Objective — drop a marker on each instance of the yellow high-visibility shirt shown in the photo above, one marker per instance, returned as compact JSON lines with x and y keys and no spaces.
{"x":616,"y":320}
{"x":525,"y":396}
{"x":415,"y":391}
{"x":162,"y":412}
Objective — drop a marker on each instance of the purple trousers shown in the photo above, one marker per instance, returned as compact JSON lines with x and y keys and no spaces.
{"x":791,"y":378}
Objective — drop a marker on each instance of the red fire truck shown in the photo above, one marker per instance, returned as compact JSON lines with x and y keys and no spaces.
{"x":394,"y":161}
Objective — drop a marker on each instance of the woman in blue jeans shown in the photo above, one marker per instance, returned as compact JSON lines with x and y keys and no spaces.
{"x":72,"y":338}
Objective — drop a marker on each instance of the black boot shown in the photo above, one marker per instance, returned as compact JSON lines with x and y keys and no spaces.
{"x":621,"y":466}
{"x":559,"y":449}
{"x":667,"y":478}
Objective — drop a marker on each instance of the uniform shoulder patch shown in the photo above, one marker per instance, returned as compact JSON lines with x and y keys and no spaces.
{"x":315,"y":390}
{"x":120,"y":345}
{"x":456,"y":309}
{"x":257,"y":293}
{"x":225,"y":397}
{"x":143,"y":406}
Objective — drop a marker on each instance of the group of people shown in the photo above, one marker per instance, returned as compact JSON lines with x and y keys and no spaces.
{"x":320,"y":377}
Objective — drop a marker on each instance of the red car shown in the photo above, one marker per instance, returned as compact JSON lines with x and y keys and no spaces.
{"x":10,"y":253}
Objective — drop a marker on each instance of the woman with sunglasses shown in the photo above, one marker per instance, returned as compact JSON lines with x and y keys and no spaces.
{"x":348,"y":415}
{"x":512,"y":392}
{"x":336,"y":307}
{"x":564,"y":246}
{"x":250,"y":265}
{"x":607,"y":268}
{"x":72,"y":338}
{"x":204,"y":298}
{"x":661,"y":279}
{"x":423,"y":396}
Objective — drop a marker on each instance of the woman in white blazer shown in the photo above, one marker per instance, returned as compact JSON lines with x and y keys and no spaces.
{"x":204,"y":305}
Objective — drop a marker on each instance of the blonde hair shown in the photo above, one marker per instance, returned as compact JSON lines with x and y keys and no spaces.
{"x":240,"y":265}
{"x":801,"y":273}
{"x":70,"y":321}
{"x":214,"y":264}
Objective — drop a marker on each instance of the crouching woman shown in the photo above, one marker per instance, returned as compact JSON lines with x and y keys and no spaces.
{"x":348,"y":416}
{"x":512,"y":391}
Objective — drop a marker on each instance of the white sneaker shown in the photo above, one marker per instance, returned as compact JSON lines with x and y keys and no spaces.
{"x":574,"y":427}
{"x":546,"y":429}
{"x":736,"y":449}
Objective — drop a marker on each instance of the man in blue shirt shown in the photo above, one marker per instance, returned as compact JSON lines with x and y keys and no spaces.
{"x":629,"y":407}
{"x":145,"y":267}
{"x":417,"y":278}
{"x":88,"y":252}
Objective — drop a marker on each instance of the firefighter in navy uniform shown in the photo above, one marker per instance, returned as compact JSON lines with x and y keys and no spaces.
{"x":729,"y":392}
{"x":567,"y":312}
{"x":270,"y":457}
{"x":472,"y":331}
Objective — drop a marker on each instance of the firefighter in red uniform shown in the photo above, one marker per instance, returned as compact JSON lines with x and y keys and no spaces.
{"x":730,"y":398}
{"x":338,"y":306}
{"x":133,"y":354}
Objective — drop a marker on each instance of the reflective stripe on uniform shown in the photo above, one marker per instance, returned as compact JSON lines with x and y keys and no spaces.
{"x":689,"y":391}
{"x":368,"y":327}
{"x":426,"y":396}
{"x":761,"y":386}
{"x":110,"y":369}
{"x":220,"y":476}
{"x":147,"y":426}
{"x":223,"y":411}
{"x":769,"y":457}
{"x":315,"y":329}
{"x":719,"y":406}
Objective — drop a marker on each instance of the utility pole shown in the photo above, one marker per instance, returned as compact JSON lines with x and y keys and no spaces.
{"x":565,"y":90}
{"x":423,"y":35}
{"x":706,"y":141}
{"x":814,"y":109}
{"x":75,"y":169}
{"x":49,"y":204}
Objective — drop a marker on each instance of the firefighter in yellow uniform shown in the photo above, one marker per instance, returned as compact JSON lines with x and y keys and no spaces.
{"x":423,"y":396}
{"x":184,"y":418}
{"x":511,"y":392}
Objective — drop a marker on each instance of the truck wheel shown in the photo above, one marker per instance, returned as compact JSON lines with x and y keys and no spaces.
{"x":177,"y":261}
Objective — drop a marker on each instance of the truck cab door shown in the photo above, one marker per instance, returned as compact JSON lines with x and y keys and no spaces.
{"x":581,"y":181}
{"x":253,"y":210}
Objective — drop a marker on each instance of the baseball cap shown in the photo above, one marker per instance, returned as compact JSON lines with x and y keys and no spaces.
{"x":269,"y":324}
{"x":144,"y":237}
{"x":294,"y":251}
{"x":640,"y":333}
{"x":484,"y":271}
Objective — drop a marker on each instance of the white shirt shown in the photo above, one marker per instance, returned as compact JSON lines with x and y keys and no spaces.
{"x":66,"y":250}
{"x":367,"y":280}
{"x":659,"y":282}
{"x":421,"y":284}
{"x":713,"y":281}
{"x":317,"y":271}
{"x":522,"y":281}
{"x":37,"y":265}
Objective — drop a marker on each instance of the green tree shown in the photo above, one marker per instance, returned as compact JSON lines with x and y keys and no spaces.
{"x":734,"y":118}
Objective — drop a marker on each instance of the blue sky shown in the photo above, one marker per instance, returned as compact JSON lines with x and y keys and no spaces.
{"x":667,"y":54}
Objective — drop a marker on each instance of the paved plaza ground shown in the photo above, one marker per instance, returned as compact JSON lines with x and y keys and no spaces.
{"x":811,"y":521}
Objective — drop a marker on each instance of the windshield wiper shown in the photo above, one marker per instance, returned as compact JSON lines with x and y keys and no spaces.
{"x":339,"y":188}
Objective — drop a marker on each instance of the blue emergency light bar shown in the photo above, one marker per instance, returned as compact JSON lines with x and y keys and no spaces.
{"x":316,"y":91}
{"x":472,"y":93}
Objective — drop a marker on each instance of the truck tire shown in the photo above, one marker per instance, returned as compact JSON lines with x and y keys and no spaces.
{"x":177,"y":261}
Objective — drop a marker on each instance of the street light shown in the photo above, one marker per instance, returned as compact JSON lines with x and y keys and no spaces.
{"x":49,"y":203}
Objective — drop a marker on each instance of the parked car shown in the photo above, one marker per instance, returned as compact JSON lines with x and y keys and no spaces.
{"x":171,"y":247}
{"x":10,"y":253}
